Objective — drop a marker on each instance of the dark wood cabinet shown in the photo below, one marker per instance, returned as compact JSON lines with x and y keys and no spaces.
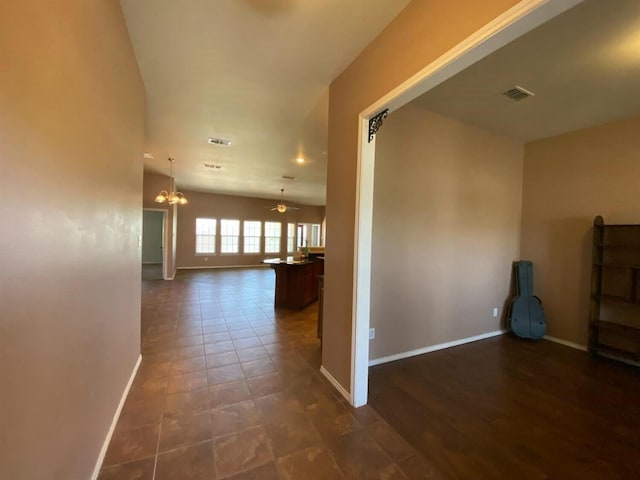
{"x":296,"y":282}
{"x":614,"y":323}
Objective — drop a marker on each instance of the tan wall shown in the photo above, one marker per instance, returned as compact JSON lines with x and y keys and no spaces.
{"x":71,"y":136}
{"x":422,"y":32}
{"x":232,"y":207}
{"x":446,"y":229}
{"x":153,"y":184}
{"x":568,"y":180}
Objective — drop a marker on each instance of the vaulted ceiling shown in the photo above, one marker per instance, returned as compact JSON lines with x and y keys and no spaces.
{"x":255,"y":72}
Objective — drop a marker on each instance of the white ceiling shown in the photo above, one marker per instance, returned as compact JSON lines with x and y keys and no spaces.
{"x":583,"y":66}
{"x":255,"y":72}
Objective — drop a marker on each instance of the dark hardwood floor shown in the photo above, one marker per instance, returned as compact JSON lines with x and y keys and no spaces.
{"x":505,"y":408}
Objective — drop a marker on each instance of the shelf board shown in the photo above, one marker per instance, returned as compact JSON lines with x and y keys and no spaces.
{"x":618,"y":352}
{"x":618,"y":265}
{"x":618,"y":225}
{"x":620,"y":326}
{"x":615,"y":298}
{"x":629,"y":359}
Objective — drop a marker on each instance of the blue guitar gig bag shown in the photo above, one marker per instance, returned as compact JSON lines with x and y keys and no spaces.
{"x":526,"y":318}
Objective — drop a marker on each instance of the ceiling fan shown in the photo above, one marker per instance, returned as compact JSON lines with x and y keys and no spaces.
{"x":281,"y":206}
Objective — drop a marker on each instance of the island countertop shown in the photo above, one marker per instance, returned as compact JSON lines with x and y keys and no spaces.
{"x":287,"y":261}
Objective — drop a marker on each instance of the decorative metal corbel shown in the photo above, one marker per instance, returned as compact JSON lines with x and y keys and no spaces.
{"x":375,"y":123}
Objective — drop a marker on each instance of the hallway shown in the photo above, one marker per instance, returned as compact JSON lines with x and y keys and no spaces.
{"x":230,"y":388}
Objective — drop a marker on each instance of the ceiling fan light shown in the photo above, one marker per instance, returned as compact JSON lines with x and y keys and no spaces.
{"x":281,"y":208}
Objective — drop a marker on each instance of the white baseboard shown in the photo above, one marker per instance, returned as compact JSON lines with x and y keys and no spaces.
{"x":433,"y":348}
{"x":335,"y":383}
{"x":566,"y":343}
{"x":116,"y":416}
{"x":213,"y":267}
{"x":172,"y":276}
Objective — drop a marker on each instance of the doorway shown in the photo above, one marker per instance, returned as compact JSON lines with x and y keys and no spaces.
{"x":153,"y":244}
{"x":515,"y":22}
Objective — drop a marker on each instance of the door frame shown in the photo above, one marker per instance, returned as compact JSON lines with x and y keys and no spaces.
{"x":515,"y":22}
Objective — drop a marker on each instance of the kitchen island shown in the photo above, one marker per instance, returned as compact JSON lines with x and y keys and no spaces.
{"x":296,"y":281}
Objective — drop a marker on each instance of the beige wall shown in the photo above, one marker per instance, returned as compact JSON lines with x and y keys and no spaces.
{"x":446,"y":229}
{"x":71,"y":136}
{"x":422,"y":32}
{"x":153,"y":184}
{"x":210,"y":205}
{"x":568,"y":180}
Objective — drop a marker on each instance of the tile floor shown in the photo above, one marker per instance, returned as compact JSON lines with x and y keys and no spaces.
{"x":230,"y":388}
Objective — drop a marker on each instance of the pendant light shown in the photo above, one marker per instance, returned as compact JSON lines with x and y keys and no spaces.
{"x":172,"y":197}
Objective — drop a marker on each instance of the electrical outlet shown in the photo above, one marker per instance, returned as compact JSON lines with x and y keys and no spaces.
{"x":372,"y":333}
{"x":495,"y":312}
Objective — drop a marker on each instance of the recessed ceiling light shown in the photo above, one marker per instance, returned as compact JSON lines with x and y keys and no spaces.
{"x":300,"y":160}
{"x":148,"y":155}
{"x":219,"y":141}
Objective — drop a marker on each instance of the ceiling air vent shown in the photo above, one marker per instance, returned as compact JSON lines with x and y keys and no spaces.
{"x":212,"y":166}
{"x":219,"y":141}
{"x":288,"y":177}
{"x":518,"y":93}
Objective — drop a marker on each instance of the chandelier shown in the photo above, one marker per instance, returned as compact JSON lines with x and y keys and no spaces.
{"x":173,"y":197}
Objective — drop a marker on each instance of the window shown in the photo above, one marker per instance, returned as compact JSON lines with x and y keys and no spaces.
{"x":229,"y":236}
{"x":272,"y":237}
{"x":252,"y":232}
{"x":205,"y":235}
{"x":291,"y":237}
{"x":315,"y":235}
{"x":309,"y":234}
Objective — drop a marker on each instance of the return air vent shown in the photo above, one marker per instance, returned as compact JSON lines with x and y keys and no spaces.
{"x":219,"y":141}
{"x":288,"y":177}
{"x":212,"y":166}
{"x":518,"y":93}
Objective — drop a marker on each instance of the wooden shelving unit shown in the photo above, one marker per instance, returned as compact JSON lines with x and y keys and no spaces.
{"x":614,"y":323}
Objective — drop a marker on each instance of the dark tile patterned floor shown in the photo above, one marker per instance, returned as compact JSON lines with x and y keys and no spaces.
{"x":230,"y":388}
